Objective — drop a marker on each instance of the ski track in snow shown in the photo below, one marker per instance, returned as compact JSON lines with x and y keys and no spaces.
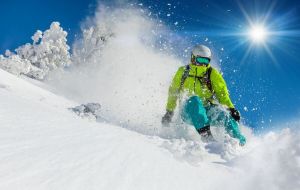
{"x":45,"y":146}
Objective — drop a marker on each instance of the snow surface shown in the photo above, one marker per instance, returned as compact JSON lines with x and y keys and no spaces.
{"x":43,"y":145}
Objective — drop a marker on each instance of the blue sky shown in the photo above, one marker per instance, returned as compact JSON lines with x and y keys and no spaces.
{"x":264,"y":84}
{"x":20,"y":19}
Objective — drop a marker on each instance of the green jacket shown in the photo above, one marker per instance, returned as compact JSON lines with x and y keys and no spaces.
{"x":192,"y":86}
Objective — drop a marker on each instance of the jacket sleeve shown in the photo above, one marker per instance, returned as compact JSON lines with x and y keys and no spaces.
{"x":220,"y":89}
{"x":174,"y":90}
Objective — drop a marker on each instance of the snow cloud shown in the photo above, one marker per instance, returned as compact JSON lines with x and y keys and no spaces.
{"x":122,"y":64}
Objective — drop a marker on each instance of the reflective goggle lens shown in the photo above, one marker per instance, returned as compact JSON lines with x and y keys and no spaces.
{"x":202,"y":60}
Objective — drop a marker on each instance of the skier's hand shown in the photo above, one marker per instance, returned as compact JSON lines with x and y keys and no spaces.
{"x":235,"y":114}
{"x":166,"y":119}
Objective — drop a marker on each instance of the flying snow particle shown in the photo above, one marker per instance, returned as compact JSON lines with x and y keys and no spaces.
{"x":176,"y":23}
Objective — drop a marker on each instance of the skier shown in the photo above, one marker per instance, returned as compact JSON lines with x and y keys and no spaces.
{"x":208,"y":102}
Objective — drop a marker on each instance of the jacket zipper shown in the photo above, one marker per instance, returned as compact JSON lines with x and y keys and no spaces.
{"x":195,"y":82}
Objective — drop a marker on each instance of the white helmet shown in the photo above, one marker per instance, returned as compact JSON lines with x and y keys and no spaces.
{"x":201,"y":51}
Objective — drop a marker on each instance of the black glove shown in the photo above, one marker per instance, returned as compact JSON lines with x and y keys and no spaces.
{"x":235,"y":114}
{"x":205,"y":133}
{"x":166,"y":119}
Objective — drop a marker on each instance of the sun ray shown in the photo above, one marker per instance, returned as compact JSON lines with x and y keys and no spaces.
{"x":269,"y":52}
{"x":248,"y":18}
{"x":246,"y":55}
{"x":268,"y":14}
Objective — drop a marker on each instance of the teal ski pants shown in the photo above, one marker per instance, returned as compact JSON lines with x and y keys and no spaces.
{"x":196,"y":114}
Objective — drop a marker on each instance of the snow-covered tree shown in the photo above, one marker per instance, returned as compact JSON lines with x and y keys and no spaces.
{"x":49,"y":49}
{"x":93,"y":40}
{"x":14,"y":64}
{"x":48,"y":52}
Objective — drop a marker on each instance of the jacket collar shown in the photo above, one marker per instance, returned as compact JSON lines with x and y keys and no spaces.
{"x":197,"y":70}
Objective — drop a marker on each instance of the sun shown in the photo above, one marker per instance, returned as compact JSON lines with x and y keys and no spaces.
{"x":258,"y":33}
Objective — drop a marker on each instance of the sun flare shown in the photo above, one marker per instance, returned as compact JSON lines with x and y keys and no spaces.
{"x":258,"y":34}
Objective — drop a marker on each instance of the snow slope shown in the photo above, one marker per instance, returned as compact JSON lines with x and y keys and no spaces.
{"x":43,"y":145}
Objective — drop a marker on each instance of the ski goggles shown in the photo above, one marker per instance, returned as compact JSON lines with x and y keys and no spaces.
{"x":202,"y":60}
